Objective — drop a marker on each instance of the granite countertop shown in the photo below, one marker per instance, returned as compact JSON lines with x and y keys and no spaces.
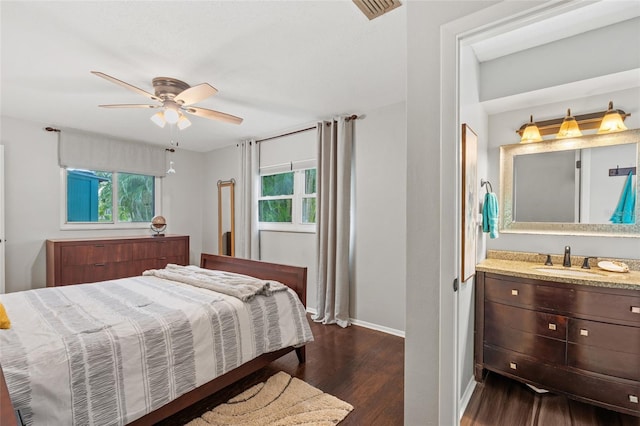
{"x":526,"y":265}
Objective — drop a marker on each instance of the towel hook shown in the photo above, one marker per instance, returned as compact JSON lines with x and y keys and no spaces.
{"x":487,"y":185}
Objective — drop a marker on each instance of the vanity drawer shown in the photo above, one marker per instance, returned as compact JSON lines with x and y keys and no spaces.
{"x":624,"y":307}
{"x":611,"y":393}
{"x":604,"y":348}
{"x":533,"y":296}
{"x":541,"y":323}
{"x":539,"y":347}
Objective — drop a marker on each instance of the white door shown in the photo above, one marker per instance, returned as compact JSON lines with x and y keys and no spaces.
{"x":2,"y":243}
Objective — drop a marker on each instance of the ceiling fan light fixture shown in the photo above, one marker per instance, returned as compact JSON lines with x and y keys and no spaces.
{"x":183,"y":122}
{"x":171,"y":170}
{"x":158,"y":119}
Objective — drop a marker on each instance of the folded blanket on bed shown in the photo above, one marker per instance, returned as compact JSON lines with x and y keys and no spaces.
{"x":240,"y":286}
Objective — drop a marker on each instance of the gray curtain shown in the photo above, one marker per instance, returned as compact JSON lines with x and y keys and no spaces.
{"x":335,"y":140}
{"x":249,"y":187}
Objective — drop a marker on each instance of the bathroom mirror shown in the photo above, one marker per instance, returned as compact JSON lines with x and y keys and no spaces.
{"x":568,"y":186}
{"x":226,"y":218}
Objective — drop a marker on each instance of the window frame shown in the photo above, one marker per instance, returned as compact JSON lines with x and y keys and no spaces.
{"x":65,"y":225}
{"x":296,"y":204}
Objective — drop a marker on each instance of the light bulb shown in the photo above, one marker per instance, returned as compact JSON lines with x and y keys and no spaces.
{"x":158,"y":119}
{"x":569,"y":127}
{"x":531,"y":133}
{"x":612,"y":121}
{"x":183,"y":122}
{"x":171,"y":116}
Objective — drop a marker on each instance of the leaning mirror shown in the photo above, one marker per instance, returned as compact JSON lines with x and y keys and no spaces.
{"x":571,"y":186}
{"x":226,"y":218}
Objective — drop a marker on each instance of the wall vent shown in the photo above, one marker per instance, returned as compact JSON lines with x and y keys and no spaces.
{"x":374,"y":8}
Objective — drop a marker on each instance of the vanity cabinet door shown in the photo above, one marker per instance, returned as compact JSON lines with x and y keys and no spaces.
{"x":604,"y":348}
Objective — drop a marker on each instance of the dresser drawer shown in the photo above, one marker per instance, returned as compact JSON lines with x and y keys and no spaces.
{"x":609,"y":393}
{"x":74,"y":274}
{"x":94,"y":253}
{"x":533,"y":296}
{"x":608,"y":306}
{"x":544,"y":324}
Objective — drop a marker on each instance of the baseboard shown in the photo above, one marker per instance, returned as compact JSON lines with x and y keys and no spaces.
{"x":466,"y":396}
{"x":369,"y":325}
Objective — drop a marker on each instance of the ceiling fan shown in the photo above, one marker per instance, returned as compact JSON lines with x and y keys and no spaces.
{"x":175,"y":97}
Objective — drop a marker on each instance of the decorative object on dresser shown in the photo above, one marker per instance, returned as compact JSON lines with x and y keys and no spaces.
{"x":75,"y":261}
{"x":582,"y":340}
{"x":158,"y":225}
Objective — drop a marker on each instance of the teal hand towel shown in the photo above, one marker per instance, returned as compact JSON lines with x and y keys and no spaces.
{"x":626,"y":208}
{"x":490,"y":214}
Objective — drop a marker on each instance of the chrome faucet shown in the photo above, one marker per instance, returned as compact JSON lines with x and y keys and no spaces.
{"x":567,"y":257}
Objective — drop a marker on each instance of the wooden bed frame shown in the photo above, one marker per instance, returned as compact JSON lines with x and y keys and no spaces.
{"x":292,"y":276}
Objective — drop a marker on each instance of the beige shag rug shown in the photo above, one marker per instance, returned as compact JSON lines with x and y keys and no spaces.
{"x":281,"y":401}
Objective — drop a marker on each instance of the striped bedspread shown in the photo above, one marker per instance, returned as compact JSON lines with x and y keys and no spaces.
{"x":108,"y":353}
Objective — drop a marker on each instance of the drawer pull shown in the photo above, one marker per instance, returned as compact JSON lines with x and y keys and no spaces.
{"x":584,"y":332}
{"x":99,"y":245}
{"x":99,"y":264}
{"x":633,"y":398}
{"x":513,"y":365}
{"x":514,"y":292}
{"x":635,"y":309}
{"x":552,"y":326}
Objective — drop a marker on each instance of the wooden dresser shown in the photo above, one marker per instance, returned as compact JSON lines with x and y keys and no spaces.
{"x":75,"y":261}
{"x":580,"y":340}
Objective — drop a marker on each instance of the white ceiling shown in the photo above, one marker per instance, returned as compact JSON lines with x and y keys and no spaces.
{"x":278,"y":64}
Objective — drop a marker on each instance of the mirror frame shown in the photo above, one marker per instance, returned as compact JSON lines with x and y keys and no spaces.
{"x":230,"y":184}
{"x":507,"y":154}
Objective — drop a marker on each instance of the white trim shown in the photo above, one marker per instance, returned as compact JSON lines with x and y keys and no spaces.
{"x":368,"y":325}
{"x":2,"y":235}
{"x":466,"y":396}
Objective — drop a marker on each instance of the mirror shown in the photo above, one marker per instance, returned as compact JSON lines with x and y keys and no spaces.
{"x":226,"y":218}
{"x":568,"y":186}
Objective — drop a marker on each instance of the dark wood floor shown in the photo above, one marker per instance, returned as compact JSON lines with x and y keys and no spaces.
{"x":360,"y":366}
{"x":501,"y":401}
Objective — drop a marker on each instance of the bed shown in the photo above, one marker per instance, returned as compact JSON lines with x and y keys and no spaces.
{"x":121,"y":377}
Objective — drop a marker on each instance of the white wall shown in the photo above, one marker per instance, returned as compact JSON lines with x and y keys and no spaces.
{"x":32,"y":197}
{"x":379,"y":234}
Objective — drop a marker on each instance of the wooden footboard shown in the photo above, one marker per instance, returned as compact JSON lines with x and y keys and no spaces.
{"x":292,"y":276}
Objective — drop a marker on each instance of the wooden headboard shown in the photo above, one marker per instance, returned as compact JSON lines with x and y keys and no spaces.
{"x":294,"y":277}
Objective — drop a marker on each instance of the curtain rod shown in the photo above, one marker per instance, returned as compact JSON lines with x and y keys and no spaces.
{"x":349,"y":118}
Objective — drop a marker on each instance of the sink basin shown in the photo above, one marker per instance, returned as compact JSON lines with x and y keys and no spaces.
{"x":568,"y":272}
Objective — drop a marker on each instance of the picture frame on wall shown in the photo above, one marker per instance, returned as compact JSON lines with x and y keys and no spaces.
{"x":469,"y":234}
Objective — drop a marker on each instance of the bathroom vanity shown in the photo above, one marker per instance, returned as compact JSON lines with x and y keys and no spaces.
{"x":566,"y":330}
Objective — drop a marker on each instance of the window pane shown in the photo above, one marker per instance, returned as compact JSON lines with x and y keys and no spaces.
{"x":310,"y":181}
{"x":280,"y":184}
{"x":89,"y":196}
{"x":275,"y":210}
{"x":308,"y":210}
{"x":135,"y":197}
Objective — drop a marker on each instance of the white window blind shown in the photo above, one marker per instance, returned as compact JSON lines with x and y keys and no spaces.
{"x":94,"y":151}
{"x":286,"y":153}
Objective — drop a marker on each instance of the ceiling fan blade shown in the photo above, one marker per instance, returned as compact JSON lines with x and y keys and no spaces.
{"x":130,"y":106}
{"x":195,"y":94}
{"x":126,"y":85}
{"x":213,"y":115}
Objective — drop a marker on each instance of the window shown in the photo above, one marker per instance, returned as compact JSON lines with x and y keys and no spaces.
{"x":288,"y":201}
{"x":110,"y":198}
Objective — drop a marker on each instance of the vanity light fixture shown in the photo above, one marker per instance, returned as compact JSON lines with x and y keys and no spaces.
{"x":569,"y":127}
{"x":531,"y":133}
{"x":612,"y":121}
{"x":590,"y":121}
